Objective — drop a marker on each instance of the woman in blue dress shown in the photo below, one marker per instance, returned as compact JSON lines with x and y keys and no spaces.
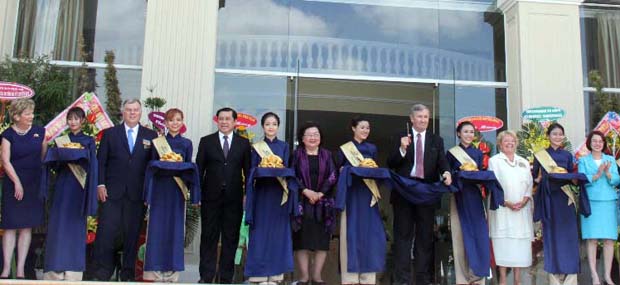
{"x":270,"y":248}
{"x":559,"y":218}
{"x":362,"y":236}
{"x":23,"y":147}
{"x":467,"y":204}
{"x":65,"y":248}
{"x":164,"y":255}
{"x":602,"y":224}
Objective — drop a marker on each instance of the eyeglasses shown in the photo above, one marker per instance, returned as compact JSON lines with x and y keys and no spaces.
{"x":317,"y":135}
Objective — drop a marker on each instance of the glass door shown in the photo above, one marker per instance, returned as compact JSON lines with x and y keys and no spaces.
{"x":333,"y":103}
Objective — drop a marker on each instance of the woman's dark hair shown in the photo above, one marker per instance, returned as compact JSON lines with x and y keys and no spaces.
{"x":302,"y":130}
{"x":553,"y":127}
{"x":463,"y":124}
{"x":589,"y":140}
{"x":357,"y":119}
{"x":76,"y":112}
{"x":267,"y":115}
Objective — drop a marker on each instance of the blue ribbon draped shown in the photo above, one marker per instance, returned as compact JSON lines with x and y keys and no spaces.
{"x":470,"y":207}
{"x":57,"y":157}
{"x":187,"y":171}
{"x":347,"y":175}
{"x":265,"y":172}
{"x":543,"y":208}
{"x":418,"y":192}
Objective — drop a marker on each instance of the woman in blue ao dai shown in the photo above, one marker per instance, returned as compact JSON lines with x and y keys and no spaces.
{"x":470,"y":235}
{"x":164,"y":256}
{"x":270,"y":247}
{"x":65,"y":249}
{"x":560,"y":233}
{"x":362,"y":236}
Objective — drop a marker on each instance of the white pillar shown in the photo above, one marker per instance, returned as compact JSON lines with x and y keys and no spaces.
{"x":179,"y":63}
{"x":8,"y":25}
{"x":543,"y":58}
{"x":179,"y":59}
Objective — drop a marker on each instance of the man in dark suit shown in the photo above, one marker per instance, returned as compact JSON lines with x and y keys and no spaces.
{"x":418,"y":155}
{"x":123,"y":154}
{"x":221,"y":158}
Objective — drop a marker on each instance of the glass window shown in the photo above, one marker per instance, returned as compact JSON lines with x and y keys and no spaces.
{"x":471,"y":45}
{"x":254,"y":34}
{"x":129,"y":83}
{"x":56,"y":28}
{"x":370,"y":40}
{"x":456,"y":102}
{"x":596,"y":106}
{"x":333,"y":103}
{"x":601,"y":44}
{"x":421,"y":39}
{"x":253,"y":96}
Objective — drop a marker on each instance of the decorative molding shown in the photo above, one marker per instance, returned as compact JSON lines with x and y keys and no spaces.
{"x":458,"y":5}
{"x":343,"y":56}
{"x":505,"y":5}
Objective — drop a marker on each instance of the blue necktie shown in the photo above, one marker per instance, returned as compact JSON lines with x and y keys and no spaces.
{"x":130,"y":140}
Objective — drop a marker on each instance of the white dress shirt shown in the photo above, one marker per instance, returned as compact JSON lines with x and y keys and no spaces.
{"x":414,"y":142}
{"x":230,"y":137}
{"x":135,"y":132}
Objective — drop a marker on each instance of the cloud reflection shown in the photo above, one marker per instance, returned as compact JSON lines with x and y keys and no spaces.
{"x":266,"y":17}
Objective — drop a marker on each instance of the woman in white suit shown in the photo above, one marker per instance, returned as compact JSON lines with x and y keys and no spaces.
{"x":602,"y":174}
{"x":511,"y":226}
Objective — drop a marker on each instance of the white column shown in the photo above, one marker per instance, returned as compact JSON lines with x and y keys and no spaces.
{"x":179,"y":62}
{"x":543,"y":58}
{"x":8,"y":25}
{"x":179,"y":59}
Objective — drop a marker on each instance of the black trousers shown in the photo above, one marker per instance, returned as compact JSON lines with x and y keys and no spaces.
{"x":118,"y":217}
{"x":413,"y":221}
{"x":220,"y":218}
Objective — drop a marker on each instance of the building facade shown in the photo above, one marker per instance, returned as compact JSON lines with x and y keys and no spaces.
{"x":327,"y":60}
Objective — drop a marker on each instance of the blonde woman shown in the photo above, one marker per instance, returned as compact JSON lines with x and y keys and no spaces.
{"x":511,"y":226}
{"x":23,"y":147}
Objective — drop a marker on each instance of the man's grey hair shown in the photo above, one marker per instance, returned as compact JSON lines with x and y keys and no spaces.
{"x":418,"y":107}
{"x":131,"y":101}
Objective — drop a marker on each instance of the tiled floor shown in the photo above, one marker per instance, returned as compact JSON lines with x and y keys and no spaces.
{"x":533,"y":276}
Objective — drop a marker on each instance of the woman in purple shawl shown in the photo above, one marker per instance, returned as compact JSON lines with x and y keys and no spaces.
{"x":316,"y":173}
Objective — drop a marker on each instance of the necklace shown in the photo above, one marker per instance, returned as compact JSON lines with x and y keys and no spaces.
{"x":20,"y":132}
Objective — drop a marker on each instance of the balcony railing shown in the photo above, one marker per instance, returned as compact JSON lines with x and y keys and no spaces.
{"x":352,"y":57}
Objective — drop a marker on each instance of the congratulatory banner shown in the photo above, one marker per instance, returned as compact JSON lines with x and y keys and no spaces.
{"x":94,"y":112}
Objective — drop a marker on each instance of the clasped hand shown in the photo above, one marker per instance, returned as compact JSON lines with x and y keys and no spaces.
{"x":312,"y":196}
{"x":516,"y":206}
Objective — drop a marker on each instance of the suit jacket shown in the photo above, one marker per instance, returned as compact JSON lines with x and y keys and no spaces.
{"x":435,"y":162}
{"x":603,"y":188}
{"x":219,"y":176}
{"x":121,"y":171}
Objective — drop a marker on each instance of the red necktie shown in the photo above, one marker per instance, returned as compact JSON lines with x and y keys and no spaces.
{"x":419,"y":158}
